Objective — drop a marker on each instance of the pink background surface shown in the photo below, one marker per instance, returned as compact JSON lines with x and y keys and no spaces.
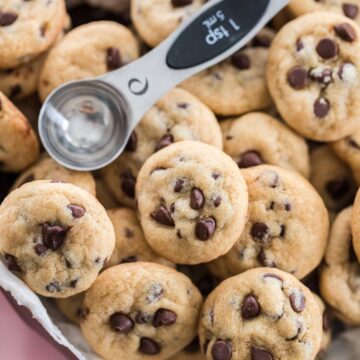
{"x":19,"y":342}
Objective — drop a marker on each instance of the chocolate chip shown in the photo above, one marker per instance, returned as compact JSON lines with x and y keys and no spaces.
{"x":299,"y":45}
{"x":215,"y":176}
{"x":178,"y":234}
{"x":260,"y":354}
{"x":207,"y":284}
{"x":338,"y":188}
{"x":327,"y":320}
{"x":282,"y":230}
{"x":261,"y":41}
{"x":163,"y":216}
{"x":165,"y":141}
{"x":132,"y":142}
{"x":205,"y":228}
{"x":197,"y":199}
{"x":54,"y":235}
{"x":350,"y":10}
{"x":262,"y":258}
{"x":260,"y":231}
{"x":129,"y":259}
{"x":183,"y":105}
{"x":288,"y":207}
{"x":40,"y":249}
{"x":241,"y":61}
{"x":113,"y":59}
{"x":321,"y":107}
{"x":68,"y":264}
{"x":179,"y":185}
{"x":250,"y":307}
{"x":324,"y":77}
{"x":273,"y":276}
{"x":121,"y":323}
{"x":53,"y":287}
{"x":297,"y":301}
{"x":11,"y":263}
{"x":297,"y":77}
{"x":164,"y":317}
{"x":327,"y":48}
{"x":73,"y":283}
{"x":77,"y":211}
{"x":82,"y":313}
{"x":129,"y":233}
{"x":128,"y":182}
{"x":193,"y":347}
{"x":7,"y":18}
{"x":149,"y":346}
{"x":249,"y":159}
{"x":142,"y":318}
{"x":217,"y":201}
{"x":346,"y":32}
{"x":221,"y":350}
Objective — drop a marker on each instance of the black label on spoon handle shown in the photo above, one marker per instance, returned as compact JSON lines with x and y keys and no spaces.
{"x":215,"y":31}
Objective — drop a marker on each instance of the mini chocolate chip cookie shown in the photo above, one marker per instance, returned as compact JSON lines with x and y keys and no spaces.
{"x":130,"y":243}
{"x":287,"y":225}
{"x":349,"y":8}
{"x":339,"y":277}
{"x":72,"y":308}
{"x":27,"y":28}
{"x":348,"y":150}
{"x":313,"y":75}
{"x":19,"y":146}
{"x":176,"y":116}
{"x":236,"y":85}
{"x":89,"y":50}
{"x":154,"y":20}
{"x":257,"y":138}
{"x":48,"y":169}
{"x":192,"y":202}
{"x":332,"y":179}
{"x":139,"y":310}
{"x":55,"y":236}
{"x":326,"y":328}
{"x":262,"y":314}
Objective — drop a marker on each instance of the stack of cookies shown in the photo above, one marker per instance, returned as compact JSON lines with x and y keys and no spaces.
{"x":229,"y":228}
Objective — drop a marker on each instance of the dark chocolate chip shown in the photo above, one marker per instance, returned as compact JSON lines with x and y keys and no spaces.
{"x":121,"y":323}
{"x":250,"y":307}
{"x":260,"y":354}
{"x":215,"y":176}
{"x":183,"y":105}
{"x":338,"y":188}
{"x":327,"y":320}
{"x":273,"y":276}
{"x":128,"y":182}
{"x":73,"y":283}
{"x":179,"y":185}
{"x":299,"y":45}
{"x":163,"y":216}
{"x":327,"y":48}
{"x":350,"y":10}
{"x":282,"y":230}
{"x":40,"y":249}
{"x":132,"y":142}
{"x":11,"y":263}
{"x":7,"y":18}
{"x":262,"y":258}
{"x":178,"y":233}
{"x":53,"y":287}
{"x":142,"y":318}
{"x":217,"y":201}
{"x":149,"y":346}
{"x":113,"y":59}
{"x":165,"y":141}
{"x":193,"y":347}
{"x":297,"y":77}
{"x":288,"y":207}
{"x":164,"y":317}
{"x":297,"y":301}
{"x":241,"y":61}
{"x":321,"y":107}
{"x":324,"y":77}
{"x":197,"y":199}
{"x":54,"y":235}
{"x":260,"y":231}
{"x":82,"y":313}
{"x":261,"y":41}
{"x":77,"y":211}
{"x":249,"y":159}
{"x":346,"y":32}
{"x":221,"y":350}
{"x":129,"y":259}
{"x":205,"y":228}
